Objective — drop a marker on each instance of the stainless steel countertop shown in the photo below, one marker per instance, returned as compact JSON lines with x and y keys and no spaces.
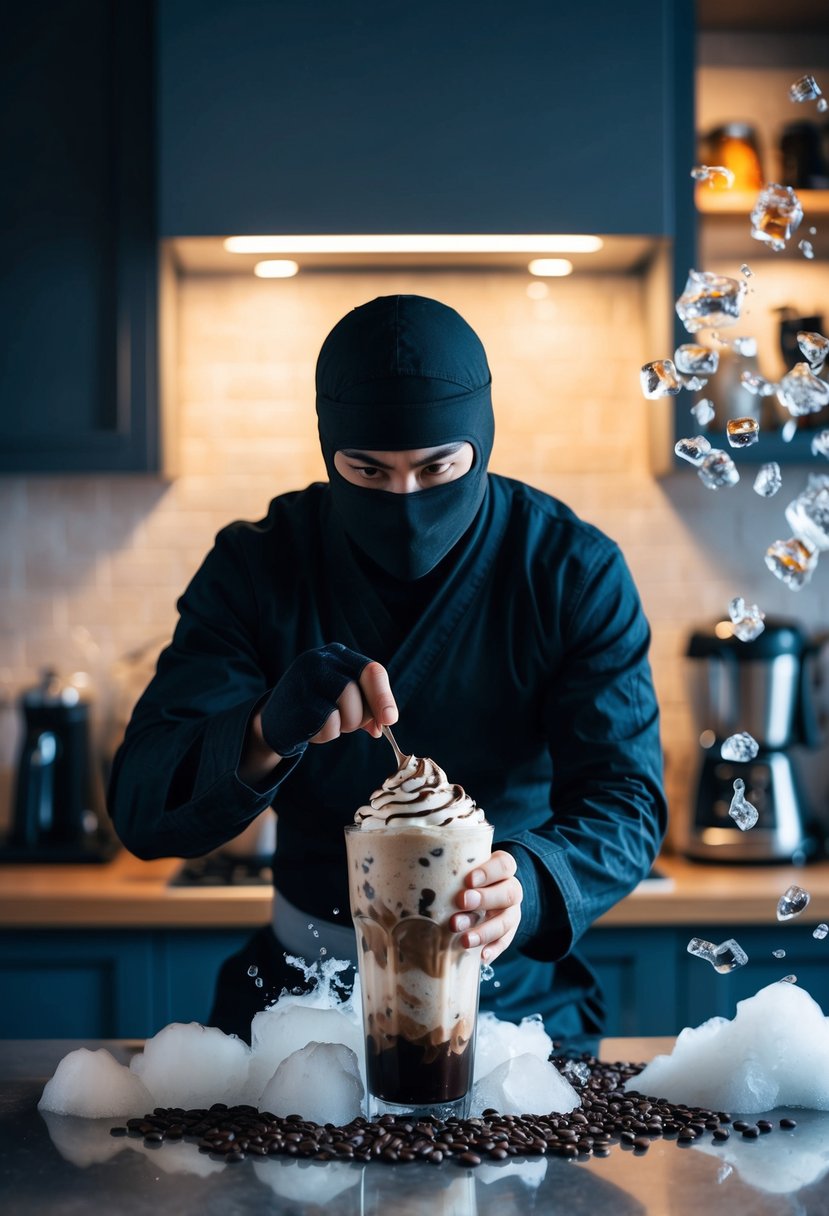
{"x":62,"y":1166}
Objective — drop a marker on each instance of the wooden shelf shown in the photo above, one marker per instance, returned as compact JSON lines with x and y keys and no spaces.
{"x":740,"y":202}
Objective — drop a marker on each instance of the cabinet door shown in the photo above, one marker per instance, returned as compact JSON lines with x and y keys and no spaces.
{"x":77,"y":293}
{"x":75,"y":985}
{"x":637,"y":970}
{"x":470,"y":116}
{"x":186,"y":968}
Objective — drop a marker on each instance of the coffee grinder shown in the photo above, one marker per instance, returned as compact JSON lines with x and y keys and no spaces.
{"x":762,"y":687}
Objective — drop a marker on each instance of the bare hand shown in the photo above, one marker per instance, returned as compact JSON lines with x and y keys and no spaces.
{"x":366,"y":704}
{"x":491,"y":900}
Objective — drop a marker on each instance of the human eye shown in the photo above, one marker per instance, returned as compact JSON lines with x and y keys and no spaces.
{"x":367,"y":471}
{"x":439,"y":469}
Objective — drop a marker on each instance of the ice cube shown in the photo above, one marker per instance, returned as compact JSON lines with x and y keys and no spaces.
{"x":792,"y":902}
{"x":728,"y":957}
{"x":788,"y":430}
{"x":193,"y":1065}
{"x":718,"y":470}
{"x":701,"y":948}
{"x":801,"y":391}
{"x":776,"y":215}
{"x":743,"y":346}
{"x":778,"y":953}
{"x":822,"y":107}
{"x":808,"y":516}
{"x":524,"y":1085}
{"x":821,"y":931}
{"x":806,"y":88}
{"x":321,"y":1082}
{"x":746,"y":270}
{"x":741,"y":811}
{"x":814,"y":346}
{"x":709,"y":299}
{"x":759,"y":385}
{"x":498,"y":1041}
{"x":742,"y":432}
{"x":576,"y":1071}
{"x":694,"y":360}
{"x":806,"y":248}
{"x":659,"y":379}
{"x":692,"y":384}
{"x":747,"y":622}
{"x":789,"y":979}
{"x":253,"y":971}
{"x":94,"y":1085}
{"x":715,"y":175}
{"x":740,"y":748}
{"x":768,"y":480}
{"x":820,"y":443}
{"x":693,"y":450}
{"x":793,"y":561}
{"x":278,"y":1032}
{"x":703,"y":411}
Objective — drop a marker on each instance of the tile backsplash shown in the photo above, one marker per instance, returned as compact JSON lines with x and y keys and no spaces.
{"x":90,"y":567}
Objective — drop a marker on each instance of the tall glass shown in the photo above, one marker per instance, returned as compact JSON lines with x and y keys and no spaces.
{"x":419,"y":985}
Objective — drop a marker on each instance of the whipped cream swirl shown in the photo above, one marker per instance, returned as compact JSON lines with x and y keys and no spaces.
{"x":419,"y":795}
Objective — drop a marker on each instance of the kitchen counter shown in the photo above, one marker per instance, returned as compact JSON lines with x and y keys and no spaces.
{"x":131,"y":893}
{"x":58,"y":1166}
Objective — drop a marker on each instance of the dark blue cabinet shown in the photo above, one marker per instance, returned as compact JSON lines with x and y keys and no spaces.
{"x":78,"y":387}
{"x":472,"y":116}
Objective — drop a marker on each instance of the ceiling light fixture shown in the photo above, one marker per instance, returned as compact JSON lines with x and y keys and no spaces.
{"x":550,"y":268}
{"x":284,"y":268}
{"x":416,"y":243}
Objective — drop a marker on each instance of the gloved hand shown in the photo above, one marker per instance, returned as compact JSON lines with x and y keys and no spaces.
{"x":307,"y":695}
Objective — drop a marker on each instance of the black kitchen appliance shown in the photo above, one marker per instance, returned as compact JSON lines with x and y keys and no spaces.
{"x":59,"y":813}
{"x":764,"y":688}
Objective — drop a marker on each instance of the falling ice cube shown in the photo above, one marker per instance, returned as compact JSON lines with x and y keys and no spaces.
{"x":804,"y":89}
{"x":692,"y":384}
{"x":746,"y":270}
{"x":742,"y":812}
{"x":703,"y":411}
{"x":715,"y":175}
{"x":778,"y":953}
{"x":700,"y":948}
{"x":814,"y":346}
{"x":693,"y":450}
{"x":792,"y":561}
{"x":742,"y":432}
{"x":728,"y":957}
{"x":756,"y":384}
{"x":696,"y":360}
{"x":820,"y":444}
{"x":768,"y":480}
{"x":776,"y":215}
{"x":806,"y":248}
{"x":808,"y":516}
{"x":576,"y":1072}
{"x":743,"y":346}
{"x":821,"y":931}
{"x":789,"y":979}
{"x":823,"y":106}
{"x":718,"y":470}
{"x":802,"y":392}
{"x":709,"y":299}
{"x":792,"y":902}
{"x":741,"y":748}
{"x":746,"y":620}
{"x":788,"y":430}
{"x":659,"y":379}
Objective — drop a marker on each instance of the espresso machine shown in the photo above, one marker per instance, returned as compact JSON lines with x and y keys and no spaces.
{"x":59,"y":813}
{"x":762,"y":687}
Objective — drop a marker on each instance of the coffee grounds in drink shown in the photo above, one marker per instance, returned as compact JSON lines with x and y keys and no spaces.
{"x":609,"y":1115}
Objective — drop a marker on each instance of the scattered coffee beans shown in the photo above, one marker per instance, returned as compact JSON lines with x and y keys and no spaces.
{"x":608,"y":1115}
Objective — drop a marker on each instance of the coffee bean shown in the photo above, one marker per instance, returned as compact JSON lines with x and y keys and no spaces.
{"x":765,"y":1125}
{"x":751,"y":1133}
{"x":722,"y":1133}
{"x":740,"y":1125}
{"x":641,"y":1144}
{"x":787,"y":1122}
{"x":469,"y":1159}
{"x":117,"y":1131}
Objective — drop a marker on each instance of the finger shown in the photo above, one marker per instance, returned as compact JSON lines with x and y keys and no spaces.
{"x":498,"y":895}
{"x":329,"y":730}
{"x":351,"y":707}
{"x":493,"y":928}
{"x":490,"y":953}
{"x":500,"y":865}
{"x":380,"y":705}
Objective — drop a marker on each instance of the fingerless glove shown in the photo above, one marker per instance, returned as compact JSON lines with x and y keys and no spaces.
{"x":307,"y":695}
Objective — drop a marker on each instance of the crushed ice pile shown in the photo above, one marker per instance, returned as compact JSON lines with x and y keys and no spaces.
{"x":307,"y":1056}
{"x":775,"y":1052}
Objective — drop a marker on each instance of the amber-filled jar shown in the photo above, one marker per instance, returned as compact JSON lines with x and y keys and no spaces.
{"x":734,"y":146}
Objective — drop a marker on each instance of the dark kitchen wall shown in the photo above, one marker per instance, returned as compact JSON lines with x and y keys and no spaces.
{"x":383,"y":116}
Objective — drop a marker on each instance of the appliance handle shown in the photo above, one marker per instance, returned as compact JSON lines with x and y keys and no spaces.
{"x":807,"y":717}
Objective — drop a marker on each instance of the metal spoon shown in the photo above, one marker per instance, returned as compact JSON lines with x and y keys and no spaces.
{"x":401,"y":757}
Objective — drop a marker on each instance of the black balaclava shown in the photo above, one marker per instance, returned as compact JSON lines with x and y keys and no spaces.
{"x":398,"y":373}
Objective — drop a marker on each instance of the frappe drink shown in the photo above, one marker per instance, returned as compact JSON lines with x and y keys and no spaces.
{"x":409,"y":852}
